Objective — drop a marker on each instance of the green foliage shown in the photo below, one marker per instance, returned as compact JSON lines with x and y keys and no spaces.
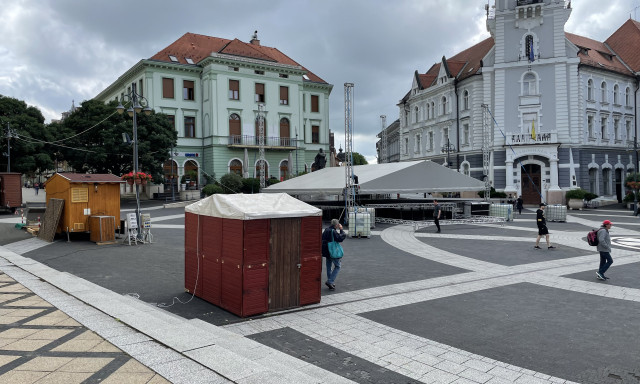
{"x":590,"y":196}
{"x":272,"y":181}
{"x":578,"y":193}
{"x":250,"y":185}
{"x":632,"y":177}
{"x":191,"y":175}
{"x":101,"y":148}
{"x":629,"y":198}
{"x":231,"y":183}
{"x":211,"y":189}
{"x":493,"y":194}
{"x":358,"y":159}
{"x":29,"y":154}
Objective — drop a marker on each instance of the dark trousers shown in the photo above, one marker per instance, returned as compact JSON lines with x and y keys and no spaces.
{"x":437,"y":221}
{"x":605,"y":262}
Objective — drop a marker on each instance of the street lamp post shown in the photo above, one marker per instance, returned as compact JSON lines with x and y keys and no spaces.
{"x":135,"y":98}
{"x":448,"y":147}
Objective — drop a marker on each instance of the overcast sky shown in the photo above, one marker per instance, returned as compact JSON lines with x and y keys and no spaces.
{"x":56,"y":51}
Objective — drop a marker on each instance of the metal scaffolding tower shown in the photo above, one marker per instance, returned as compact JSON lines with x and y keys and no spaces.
{"x":384,"y":154}
{"x":261,"y":160}
{"x":487,"y":134}
{"x":349,"y":190}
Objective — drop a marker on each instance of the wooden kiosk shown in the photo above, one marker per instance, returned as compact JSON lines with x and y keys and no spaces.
{"x":91,"y":203}
{"x":10,"y":190}
{"x":251,"y":254}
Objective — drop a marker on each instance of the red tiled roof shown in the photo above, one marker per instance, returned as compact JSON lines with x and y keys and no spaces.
{"x":426,"y":80}
{"x":597,"y":55}
{"x":91,"y":177}
{"x":472,"y":57}
{"x":198,"y":47}
{"x":625,"y":42}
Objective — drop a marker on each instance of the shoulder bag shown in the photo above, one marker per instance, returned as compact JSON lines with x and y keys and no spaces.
{"x":335,"y":249}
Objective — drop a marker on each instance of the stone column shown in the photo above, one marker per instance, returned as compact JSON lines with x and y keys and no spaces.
{"x":509,"y":187}
{"x":554,"y":194}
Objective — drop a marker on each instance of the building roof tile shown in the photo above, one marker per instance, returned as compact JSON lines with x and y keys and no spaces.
{"x":625,"y":42}
{"x":91,"y":177}
{"x":198,"y":47}
{"x":596,"y":54}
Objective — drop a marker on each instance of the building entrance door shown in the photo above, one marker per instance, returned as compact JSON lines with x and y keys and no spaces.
{"x":530,"y":184}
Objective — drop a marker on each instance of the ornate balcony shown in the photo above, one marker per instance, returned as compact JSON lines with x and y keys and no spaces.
{"x":245,"y":141}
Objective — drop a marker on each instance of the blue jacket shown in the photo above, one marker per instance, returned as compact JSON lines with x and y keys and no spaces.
{"x":326,"y":239}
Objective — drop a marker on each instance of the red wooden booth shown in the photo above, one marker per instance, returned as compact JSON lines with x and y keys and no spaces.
{"x":251,"y":254}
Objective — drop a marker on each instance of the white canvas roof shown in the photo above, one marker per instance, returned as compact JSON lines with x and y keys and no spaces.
{"x":251,"y":207}
{"x":403,"y":177}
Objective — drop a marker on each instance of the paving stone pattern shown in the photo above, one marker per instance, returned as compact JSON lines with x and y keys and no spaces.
{"x":474,"y":304}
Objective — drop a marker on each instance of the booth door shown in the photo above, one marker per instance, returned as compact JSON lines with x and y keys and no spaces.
{"x":284,"y":264}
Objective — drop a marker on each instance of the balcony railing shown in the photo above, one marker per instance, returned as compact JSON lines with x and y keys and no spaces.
{"x":269,"y":142}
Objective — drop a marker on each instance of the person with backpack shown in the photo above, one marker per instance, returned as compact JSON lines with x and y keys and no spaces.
{"x":333,"y":264}
{"x":541,"y":221}
{"x":604,"y":247}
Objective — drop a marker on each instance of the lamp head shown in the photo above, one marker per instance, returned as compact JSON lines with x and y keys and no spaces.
{"x":137,"y":107}
{"x":147,"y":110}
{"x":120,"y":108}
{"x":130,"y":111}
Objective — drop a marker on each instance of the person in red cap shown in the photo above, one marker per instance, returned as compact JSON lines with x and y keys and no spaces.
{"x":604,"y":247}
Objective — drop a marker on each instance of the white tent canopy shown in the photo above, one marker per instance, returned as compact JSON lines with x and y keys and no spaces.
{"x":403,"y":177}
{"x":251,"y":207}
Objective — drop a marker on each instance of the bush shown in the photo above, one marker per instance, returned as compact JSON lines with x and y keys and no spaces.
{"x":250,"y":185}
{"x":231,"y":183}
{"x":211,"y":189}
{"x":578,"y":193}
{"x":628,"y":198}
{"x":590,"y":196}
{"x":493,"y":194}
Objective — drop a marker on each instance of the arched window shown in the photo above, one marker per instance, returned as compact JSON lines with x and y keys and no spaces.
{"x":606,"y":181}
{"x":235,"y":166}
{"x":589,"y":89}
{"x":444,"y":105}
{"x":465,"y":100}
{"x":465,"y":169}
{"x":627,"y":97}
{"x":284,"y":169}
{"x":264,"y":132}
{"x":529,"y":83}
{"x":433,"y":110}
{"x":528,"y":46}
{"x":603,"y":92}
{"x":616,"y":90}
{"x":266,"y":169}
{"x":529,"y":12}
{"x":417,"y":111}
{"x":593,"y":180}
{"x":235,"y":129}
{"x":285,"y":132}
{"x":538,"y":11}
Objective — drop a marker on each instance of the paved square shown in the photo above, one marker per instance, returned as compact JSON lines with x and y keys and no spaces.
{"x":561,"y":333}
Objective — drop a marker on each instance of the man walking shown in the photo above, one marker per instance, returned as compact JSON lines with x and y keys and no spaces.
{"x":542,"y":227}
{"x":436,"y":214}
{"x":604,"y":247}
{"x":330,"y":234}
{"x":519,"y":204}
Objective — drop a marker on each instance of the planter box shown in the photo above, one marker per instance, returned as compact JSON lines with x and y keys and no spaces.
{"x":575,"y":204}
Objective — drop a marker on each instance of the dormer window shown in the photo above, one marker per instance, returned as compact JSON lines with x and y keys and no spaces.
{"x":173,"y":58}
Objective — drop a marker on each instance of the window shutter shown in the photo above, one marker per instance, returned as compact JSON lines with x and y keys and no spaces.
{"x":167,"y":88}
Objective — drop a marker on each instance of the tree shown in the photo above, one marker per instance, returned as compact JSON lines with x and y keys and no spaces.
{"x":28,"y":152}
{"x":92,"y":138}
{"x":358,"y":159}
